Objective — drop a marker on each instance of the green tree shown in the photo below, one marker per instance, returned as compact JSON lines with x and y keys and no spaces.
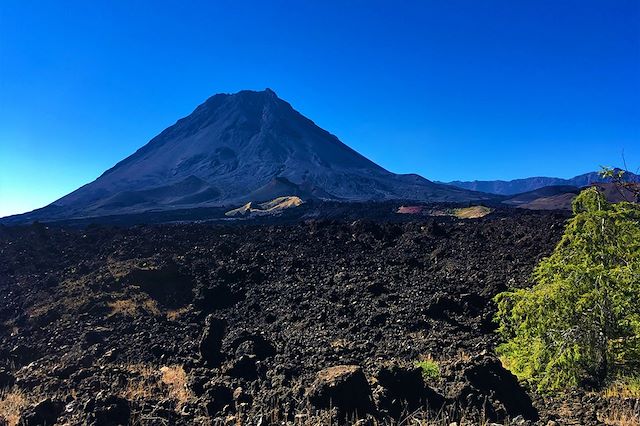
{"x":580,"y":323}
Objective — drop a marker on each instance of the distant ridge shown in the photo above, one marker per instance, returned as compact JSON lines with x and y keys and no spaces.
{"x":518,"y":186}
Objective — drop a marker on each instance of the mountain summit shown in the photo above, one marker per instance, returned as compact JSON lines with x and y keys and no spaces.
{"x":247,"y":146}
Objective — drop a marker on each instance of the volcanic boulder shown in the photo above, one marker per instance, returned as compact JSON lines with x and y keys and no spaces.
{"x":403,"y":389}
{"x":488,"y":376}
{"x":45,"y":412}
{"x":344,"y":387}
{"x":211,"y":341}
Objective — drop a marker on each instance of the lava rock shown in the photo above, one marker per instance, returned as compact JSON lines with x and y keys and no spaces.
{"x":244,"y":367}
{"x":93,"y":337}
{"x":491,"y":378}
{"x":217,"y":297}
{"x":344,"y":387}
{"x":241,"y":397}
{"x":6,"y":379}
{"x":404,"y":389}
{"x":211,"y":341}
{"x":253,"y":344}
{"x":109,"y":411}
{"x":22,"y":354}
{"x":377,"y":289}
{"x":46,"y":412}
{"x":218,"y":397}
{"x":166,"y":284}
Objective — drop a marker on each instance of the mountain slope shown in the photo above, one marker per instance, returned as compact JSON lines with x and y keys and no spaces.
{"x":518,"y":186}
{"x":232,"y":147}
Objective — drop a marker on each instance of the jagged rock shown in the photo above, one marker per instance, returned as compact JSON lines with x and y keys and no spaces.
{"x":218,"y":397}
{"x":404,"y":389}
{"x":108,"y":411}
{"x":211,"y":341}
{"x":45,"y":412}
{"x":310,"y":311}
{"x":344,"y":387}
{"x":253,"y":344}
{"x":443,"y":305}
{"x":488,"y":376}
{"x":240,"y":396}
{"x":22,"y":354}
{"x":6,"y":379}
{"x":377,"y":289}
{"x":244,"y":367}
{"x":95,"y":336}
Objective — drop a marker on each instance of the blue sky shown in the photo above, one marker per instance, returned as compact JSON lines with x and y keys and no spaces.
{"x":449,"y":89}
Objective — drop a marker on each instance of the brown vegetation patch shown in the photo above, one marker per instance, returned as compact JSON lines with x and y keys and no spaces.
{"x":12,"y":402}
{"x":134,"y":307}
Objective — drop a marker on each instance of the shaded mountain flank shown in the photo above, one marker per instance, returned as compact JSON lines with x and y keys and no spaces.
{"x":518,"y":186}
{"x":561,"y":197}
{"x":236,"y":148}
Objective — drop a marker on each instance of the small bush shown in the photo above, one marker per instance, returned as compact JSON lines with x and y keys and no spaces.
{"x":430,"y":368}
{"x":580,"y":323}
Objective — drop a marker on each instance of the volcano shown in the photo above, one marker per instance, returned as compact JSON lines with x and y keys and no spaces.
{"x":237,"y":148}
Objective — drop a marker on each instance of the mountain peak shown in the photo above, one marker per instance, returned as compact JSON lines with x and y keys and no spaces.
{"x":236,"y":146}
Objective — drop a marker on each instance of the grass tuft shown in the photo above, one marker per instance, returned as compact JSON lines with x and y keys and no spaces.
{"x":430,"y":368}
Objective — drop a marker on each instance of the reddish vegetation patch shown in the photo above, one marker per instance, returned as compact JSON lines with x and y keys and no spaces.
{"x":409,"y":209}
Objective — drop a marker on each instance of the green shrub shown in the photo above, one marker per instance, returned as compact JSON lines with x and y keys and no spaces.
{"x":580,"y":323}
{"x":430,"y":369}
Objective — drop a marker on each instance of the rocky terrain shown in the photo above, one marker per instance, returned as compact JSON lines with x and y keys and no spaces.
{"x":320,"y":321}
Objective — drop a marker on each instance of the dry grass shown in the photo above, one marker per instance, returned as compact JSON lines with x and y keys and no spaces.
{"x":175,"y":314}
{"x":338,"y":344}
{"x":473,"y":212}
{"x":143,"y":383}
{"x":147,"y":382}
{"x":12,"y":402}
{"x":627,"y":387}
{"x":622,"y":417}
{"x":120,"y":269}
{"x":463,"y":355}
{"x":175,"y":378}
{"x":134,"y":307}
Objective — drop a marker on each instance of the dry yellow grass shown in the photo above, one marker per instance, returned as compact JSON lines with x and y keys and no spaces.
{"x":175,"y":314}
{"x":132,"y":307}
{"x":119,"y":269}
{"x":628,"y":387}
{"x":463,"y":355}
{"x":143,"y":383}
{"x":175,"y":378}
{"x":147,"y":382}
{"x":622,"y":417}
{"x":12,"y":402}
{"x":473,"y":212}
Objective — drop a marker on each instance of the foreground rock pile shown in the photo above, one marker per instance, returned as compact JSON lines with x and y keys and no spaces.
{"x":302,"y":323}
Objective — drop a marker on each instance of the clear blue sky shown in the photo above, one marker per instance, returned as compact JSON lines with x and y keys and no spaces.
{"x":448,"y":89}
